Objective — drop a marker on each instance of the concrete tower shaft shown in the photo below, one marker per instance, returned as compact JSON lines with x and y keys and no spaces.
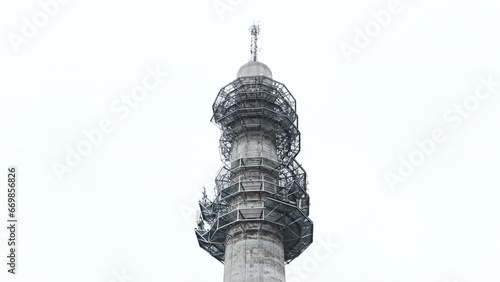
{"x":254,"y":143}
{"x":254,"y":250}
{"x":254,"y":253}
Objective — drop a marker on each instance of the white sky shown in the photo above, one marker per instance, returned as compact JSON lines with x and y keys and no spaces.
{"x":128,"y":206}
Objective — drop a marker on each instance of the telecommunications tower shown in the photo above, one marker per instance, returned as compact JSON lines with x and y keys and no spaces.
{"x":258,"y":220}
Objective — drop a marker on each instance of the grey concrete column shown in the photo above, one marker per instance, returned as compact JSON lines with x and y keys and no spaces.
{"x":254,"y":250}
{"x":254,"y":253}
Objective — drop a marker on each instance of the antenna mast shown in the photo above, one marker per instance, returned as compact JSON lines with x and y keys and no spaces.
{"x":254,"y":31}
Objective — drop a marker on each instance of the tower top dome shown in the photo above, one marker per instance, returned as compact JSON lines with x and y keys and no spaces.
{"x":255,"y":68}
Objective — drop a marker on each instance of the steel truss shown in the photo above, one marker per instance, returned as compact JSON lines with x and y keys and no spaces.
{"x":257,"y":103}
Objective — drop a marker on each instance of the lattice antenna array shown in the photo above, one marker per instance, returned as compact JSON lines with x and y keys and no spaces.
{"x":255,"y":32}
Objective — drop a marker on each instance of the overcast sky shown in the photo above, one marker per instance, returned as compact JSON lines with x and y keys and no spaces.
{"x":398,"y":105}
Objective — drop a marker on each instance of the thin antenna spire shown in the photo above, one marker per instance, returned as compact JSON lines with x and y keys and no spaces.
{"x":254,"y":31}
{"x":205,"y":197}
